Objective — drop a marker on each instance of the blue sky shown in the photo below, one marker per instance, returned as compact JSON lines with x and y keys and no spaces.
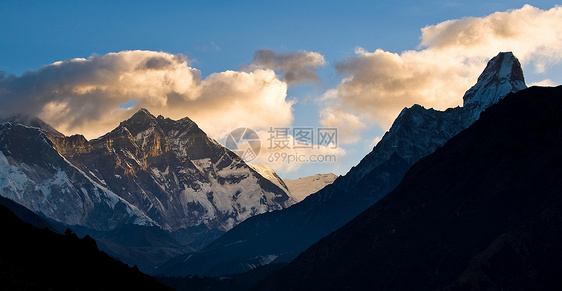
{"x":217,"y":36}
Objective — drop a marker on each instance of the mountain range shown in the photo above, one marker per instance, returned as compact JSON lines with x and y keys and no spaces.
{"x":461,"y":199}
{"x":152,"y":175}
{"x":280,"y":236}
{"x":174,"y":173}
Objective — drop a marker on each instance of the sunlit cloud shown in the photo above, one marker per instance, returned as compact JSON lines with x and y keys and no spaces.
{"x":377,"y":85}
{"x":87,"y":95}
{"x":531,"y":33}
{"x":348,"y":124}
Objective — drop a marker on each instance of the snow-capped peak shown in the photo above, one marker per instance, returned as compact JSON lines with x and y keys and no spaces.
{"x":503,"y":75}
{"x":303,"y":187}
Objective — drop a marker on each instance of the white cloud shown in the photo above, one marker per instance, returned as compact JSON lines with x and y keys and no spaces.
{"x":83,"y":95}
{"x":377,"y":85}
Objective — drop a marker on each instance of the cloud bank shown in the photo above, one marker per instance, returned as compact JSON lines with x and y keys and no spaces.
{"x":451,"y":55}
{"x":84,"y":95}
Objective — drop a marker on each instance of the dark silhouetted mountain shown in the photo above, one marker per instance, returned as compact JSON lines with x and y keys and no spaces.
{"x":280,"y":236}
{"x":484,"y":212}
{"x":34,"y":259}
{"x":29,"y":216}
{"x":237,"y":282}
{"x":143,"y":246}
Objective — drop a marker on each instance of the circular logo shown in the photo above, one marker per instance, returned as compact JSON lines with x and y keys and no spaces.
{"x":244,"y":142}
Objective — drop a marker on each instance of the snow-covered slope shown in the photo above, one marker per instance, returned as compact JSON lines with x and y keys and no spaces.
{"x":34,"y":175}
{"x":269,"y":174}
{"x":302,"y":187}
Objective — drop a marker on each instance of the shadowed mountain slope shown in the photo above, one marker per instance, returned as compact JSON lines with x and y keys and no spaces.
{"x":482,"y":213}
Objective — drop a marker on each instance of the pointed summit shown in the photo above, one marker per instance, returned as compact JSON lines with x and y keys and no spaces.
{"x":503,"y":75}
{"x":142,"y":114}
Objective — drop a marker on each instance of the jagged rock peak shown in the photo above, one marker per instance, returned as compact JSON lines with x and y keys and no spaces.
{"x":140,"y":121}
{"x":503,"y":75}
{"x":143,"y":116}
{"x":143,"y":120}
